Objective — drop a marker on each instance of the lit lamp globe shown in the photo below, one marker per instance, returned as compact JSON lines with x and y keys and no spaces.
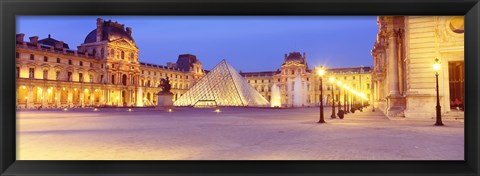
{"x":339,"y":83}
{"x":437,"y":65}
{"x":321,"y":71}
{"x":331,"y":79}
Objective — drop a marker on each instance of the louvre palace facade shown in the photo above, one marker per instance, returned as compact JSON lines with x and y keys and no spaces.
{"x":295,"y":68}
{"x":105,"y":71}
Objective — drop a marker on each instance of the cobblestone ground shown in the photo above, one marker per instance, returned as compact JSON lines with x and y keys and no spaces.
{"x":232,"y":134}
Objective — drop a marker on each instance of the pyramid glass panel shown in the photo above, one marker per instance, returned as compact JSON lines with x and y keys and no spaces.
{"x":224,"y":86}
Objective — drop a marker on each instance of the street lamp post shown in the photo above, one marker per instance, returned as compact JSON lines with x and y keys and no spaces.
{"x":321,"y":72}
{"x":436,"y":67}
{"x":339,"y":95}
{"x":345,"y":93}
{"x":351,"y":102}
{"x":332,"y":80}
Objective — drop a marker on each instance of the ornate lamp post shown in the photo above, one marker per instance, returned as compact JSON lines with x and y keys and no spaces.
{"x":332,"y":81}
{"x":339,"y":83}
{"x":436,"y":67}
{"x":345,"y":100}
{"x":321,"y":72}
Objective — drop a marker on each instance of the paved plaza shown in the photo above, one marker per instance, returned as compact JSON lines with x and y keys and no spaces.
{"x":232,"y":134}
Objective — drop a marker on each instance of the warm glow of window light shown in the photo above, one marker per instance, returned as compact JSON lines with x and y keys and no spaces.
{"x":63,"y":88}
{"x":75,"y":89}
{"x":26,"y":98}
{"x":23,"y":87}
{"x":118,"y":98}
{"x":49,"y":90}
{"x":86,"y":90}
{"x":332,"y":79}
{"x":55,"y":98}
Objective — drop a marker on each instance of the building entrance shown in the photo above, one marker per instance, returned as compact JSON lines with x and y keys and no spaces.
{"x":456,"y":76}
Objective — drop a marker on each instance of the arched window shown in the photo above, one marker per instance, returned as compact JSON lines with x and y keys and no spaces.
{"x":124,"y":79}
{"x":102,"y":52}
{"x":45,"y":74}
{"x":31,"y":73}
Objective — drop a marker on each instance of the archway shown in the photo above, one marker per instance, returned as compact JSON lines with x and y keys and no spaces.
{"x":124,"y":98}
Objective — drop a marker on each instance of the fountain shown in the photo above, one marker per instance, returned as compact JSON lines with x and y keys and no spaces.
{"x":297,"y":92}
{"x":139,"y":97}
{"x":275,"y":97}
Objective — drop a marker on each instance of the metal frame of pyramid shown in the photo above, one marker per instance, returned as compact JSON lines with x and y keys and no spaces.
{"x":224,"y":86}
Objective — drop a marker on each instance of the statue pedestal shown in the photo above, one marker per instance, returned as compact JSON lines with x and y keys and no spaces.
{"x":165,"y":100}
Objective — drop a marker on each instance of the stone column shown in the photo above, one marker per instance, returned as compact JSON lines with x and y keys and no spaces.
{"x":82,"y":99}
{"x":70,"y":98}
{"x":57,"y":97}
{"x":30,"y":97}
{"x":392,"y":68}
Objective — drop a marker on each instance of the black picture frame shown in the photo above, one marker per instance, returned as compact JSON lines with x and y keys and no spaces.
{"x":9,"y":9}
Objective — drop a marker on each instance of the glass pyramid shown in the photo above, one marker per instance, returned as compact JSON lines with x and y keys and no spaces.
{"x":222,"y":86}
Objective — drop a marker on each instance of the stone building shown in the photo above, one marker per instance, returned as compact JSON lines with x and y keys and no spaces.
{"x":295,"y":68}
{"x":104,"y":71}
{"x":403,"y":55}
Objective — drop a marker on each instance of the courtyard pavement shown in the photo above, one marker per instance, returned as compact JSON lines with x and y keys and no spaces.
{"x":232,"y":134}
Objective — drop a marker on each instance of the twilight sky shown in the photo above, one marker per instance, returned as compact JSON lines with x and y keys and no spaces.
{"x":248,"y":43}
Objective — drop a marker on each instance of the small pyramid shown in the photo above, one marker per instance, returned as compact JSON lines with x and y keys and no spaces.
{"x":224,"y":86}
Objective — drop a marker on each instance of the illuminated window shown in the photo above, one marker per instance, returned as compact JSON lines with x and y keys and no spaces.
{"x":80,"y":77}
{"x":45,"y":74}
{"x":69,"y":76}
{"x":31,"y":72}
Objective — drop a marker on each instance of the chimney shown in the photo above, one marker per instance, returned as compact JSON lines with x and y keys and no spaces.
{"x":129,"y":31}
{"x":59,"y":44}
{"x":20,"y":37}
{"x":34,"y":40}
{"x":99,"y":29}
